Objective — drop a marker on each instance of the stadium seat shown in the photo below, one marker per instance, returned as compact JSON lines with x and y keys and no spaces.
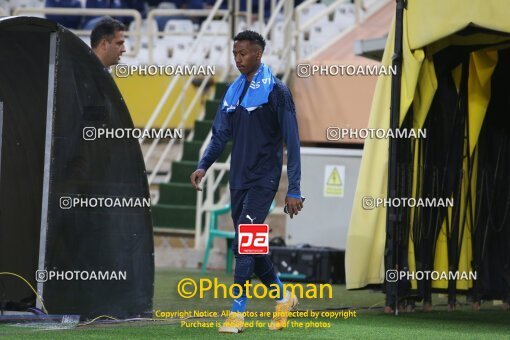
{"x":127,"y":44}
{"x":178,"y":32}
{"x":179,"y":26}
{"x":160,"y":54}
{"x":322,"y":33}
{"x":255,"y":7}
{"x":4,"y":5}
{"x":217,"y":30}
{"x":271,"y":58}
{"x":23,"y":3}
{"x":179,"y":53}
{"x":344,"y":16}
{"x":241,"y":26}
{"x":176,"y":52}
{"x":278,"y":39}
{"x":218,"y":42}
{"x":273,"y":62}
{"x":65,"y":20}
{"x":213,"y":233}
{"x":306,"y":48}
{"x":311,"y":11}
{"x":142,"y":58}
{"x":255,"y":26}
{"x":28,"y":4}
{"x":144,"y":33}
{"x":164,"y":19}
{"x":129,"y":60}
{"x":167,"y":5}
{"x":218,"y":53}
{"x":176,"y":44}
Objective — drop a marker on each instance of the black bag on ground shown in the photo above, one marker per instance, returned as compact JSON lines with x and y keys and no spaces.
{"x":309,"y":264}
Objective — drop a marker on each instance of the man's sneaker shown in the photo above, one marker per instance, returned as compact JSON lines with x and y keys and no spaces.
{"x":281,"y":312}
{"x":233,"y":324}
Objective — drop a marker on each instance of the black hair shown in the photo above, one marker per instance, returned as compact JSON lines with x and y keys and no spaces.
{"x":253,"y":37}
{"x":105,"y":29}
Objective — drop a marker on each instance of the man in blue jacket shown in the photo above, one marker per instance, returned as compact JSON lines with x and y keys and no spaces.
{"x":258,"y":114}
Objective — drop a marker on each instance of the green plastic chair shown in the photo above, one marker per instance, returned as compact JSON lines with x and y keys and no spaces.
{"x":228,"y":235}
{"x":214,"y":232}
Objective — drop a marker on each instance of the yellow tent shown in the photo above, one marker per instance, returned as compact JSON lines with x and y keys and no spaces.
{"x":454,"y":57}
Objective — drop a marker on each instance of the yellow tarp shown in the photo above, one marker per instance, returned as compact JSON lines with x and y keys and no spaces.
{"x":142,"y":95}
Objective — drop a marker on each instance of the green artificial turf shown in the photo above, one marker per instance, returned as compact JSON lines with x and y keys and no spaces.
{"x":489,"y":323}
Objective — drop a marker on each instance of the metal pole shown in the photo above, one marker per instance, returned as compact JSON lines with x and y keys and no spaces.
{"x":231,"y":5}
{"x":273,"y":7}
{"x":261,"y":16}
{"x":236,"y":10}
{"x":249,"y":8}
{"x":357,"y":11}
{"x":288,"y":12}
{"x":52,"y":69}
{"x":1,"y":135}
{"x":392,"y":214}
{"x":297,"y":19}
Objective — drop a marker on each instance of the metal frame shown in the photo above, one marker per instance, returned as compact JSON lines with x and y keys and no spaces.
{"x":47,"y":160}
{"x":393,"y":215}
{"x":1,"y":135}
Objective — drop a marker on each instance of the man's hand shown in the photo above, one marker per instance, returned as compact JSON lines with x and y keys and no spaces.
{"x":196,"y":177}
{"x":294,"y":205}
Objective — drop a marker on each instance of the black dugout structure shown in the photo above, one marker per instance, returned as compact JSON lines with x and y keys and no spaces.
{"x":52,"y":87}
{"x":451,"y":82}
{"x":464,"y":157}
